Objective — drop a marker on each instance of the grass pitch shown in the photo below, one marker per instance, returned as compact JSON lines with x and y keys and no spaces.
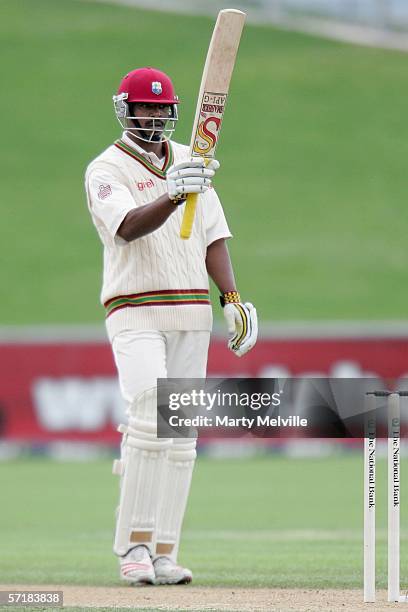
{"x":313,"y":152}
{"x":299,"y":522}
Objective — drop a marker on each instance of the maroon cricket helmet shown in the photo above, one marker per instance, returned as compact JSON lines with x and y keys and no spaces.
{"x":148,"y":85}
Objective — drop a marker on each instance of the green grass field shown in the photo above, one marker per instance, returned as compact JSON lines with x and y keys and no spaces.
{"x":313,"y":153}
{"x":298,"y":521}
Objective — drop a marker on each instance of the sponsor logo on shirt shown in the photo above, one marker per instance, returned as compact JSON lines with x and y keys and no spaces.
{"x":104,"y":191}
{"x":142,"y":185}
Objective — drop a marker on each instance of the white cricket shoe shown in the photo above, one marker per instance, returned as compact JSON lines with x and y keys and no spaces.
{"x":136,"y":566}
{"x":168,"y":572}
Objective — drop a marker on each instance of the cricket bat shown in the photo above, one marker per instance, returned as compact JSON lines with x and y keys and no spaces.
{"x":212,"y":97}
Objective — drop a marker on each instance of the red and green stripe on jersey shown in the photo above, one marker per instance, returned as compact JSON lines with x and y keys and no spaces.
{"x":166,"y":297}
{"x":168,"y":158}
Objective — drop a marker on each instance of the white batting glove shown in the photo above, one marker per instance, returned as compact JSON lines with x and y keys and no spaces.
{"x":192,"y":176}
{"x":242,"y":323}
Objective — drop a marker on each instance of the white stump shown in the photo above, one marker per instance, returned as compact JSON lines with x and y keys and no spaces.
{"x":369,"y":498}
{"x":394,"y":497}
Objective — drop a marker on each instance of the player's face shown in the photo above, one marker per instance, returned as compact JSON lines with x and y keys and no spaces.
{"x":151,"y":119}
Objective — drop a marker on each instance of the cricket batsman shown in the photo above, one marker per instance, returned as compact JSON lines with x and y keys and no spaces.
{"x":158,"y":313}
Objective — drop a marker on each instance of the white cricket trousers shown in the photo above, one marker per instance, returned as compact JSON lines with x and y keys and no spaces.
{"x":142,"y":357}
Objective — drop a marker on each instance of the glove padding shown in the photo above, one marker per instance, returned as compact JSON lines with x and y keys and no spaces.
{"x":242,"y":323}
{"x":192,"y":176}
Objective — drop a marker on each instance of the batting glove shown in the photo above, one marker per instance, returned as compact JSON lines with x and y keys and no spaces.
{"x":192,"y":176}
{"x":242,"y":323}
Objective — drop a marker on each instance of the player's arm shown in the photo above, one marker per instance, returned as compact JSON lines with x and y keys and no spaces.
{"x":241,"y":318}
{"x":219,"y":266}
{"x":145,"y":219}
{"x":112,"y":202}
{"x":191,"y":176}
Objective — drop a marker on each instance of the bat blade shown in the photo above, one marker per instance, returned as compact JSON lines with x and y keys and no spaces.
{"x":212,"y":97}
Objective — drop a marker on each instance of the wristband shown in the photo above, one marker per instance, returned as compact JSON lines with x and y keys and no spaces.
{"x":178,"y":200}
{"x":229,"y":297}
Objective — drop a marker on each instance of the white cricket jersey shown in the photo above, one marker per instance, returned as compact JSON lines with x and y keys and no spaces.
{"x":158,"y":281}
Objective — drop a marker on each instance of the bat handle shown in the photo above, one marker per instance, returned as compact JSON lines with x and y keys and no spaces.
{"x":189,"y":212}
{"x":188,"y":217}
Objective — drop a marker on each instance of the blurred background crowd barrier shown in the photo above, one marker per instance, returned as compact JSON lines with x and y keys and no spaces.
{"x":59,"y":389}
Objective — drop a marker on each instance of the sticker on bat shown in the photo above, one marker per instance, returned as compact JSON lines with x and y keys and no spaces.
{"x":209,"y":124}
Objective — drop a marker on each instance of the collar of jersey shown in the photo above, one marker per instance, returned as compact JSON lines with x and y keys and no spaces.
{"x":152,"y":157}
{"x":160,"y":172}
